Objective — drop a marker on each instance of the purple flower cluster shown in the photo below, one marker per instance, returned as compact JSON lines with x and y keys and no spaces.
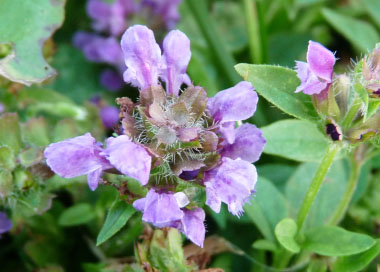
{"x":109,"y":21}
{"x":316,"y":74}
{"x":172,"y":137}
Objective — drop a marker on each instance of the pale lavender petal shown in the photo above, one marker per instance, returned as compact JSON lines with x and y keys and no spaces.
{"x":75,"y":157}
{"x":93,"y":179}
{"x":234,"y":104}
{"x":310,"y":83}
{"x":248,"y":145}
{"x":109,"y":116}
{"x":193,"y":226}
{"x":111,"y":80}
{"x":142,"y":57}
{"x":5,"y":223}
{"x":139,"y":204}
{"x":161,"y":208}
{"x":321,"y":61}
{"x":176,"y":57}
{"x":232,"y":182}
{"x":129,"y":158}
{"x":227,"y":130}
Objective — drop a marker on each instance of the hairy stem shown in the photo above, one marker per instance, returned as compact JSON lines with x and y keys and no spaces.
{"x":316,"y":184}
{"x":355,"y":167}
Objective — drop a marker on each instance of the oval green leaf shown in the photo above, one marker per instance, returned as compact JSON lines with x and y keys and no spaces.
{"x":357,"y":262}
{"x":277,"y":85}
{"x":296,"y":140}
{"x":286,"y":231}
{"x":335,"y":241}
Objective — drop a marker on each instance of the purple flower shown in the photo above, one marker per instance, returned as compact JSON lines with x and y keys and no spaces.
{"x":129,"y":158}
{"x":316,"y":74}
{"x":144,"y":62}
{"x":111,"y":80}
{"x":142,"y":56}
{"x":176,"y":57}
{"x":110,"y":17}
{"x":5,"y":223}
{"x":166,"y":209}
{"x":109,"y":116}
{"x":167,"y":9}
{"x":76,"y":157}
{"x":232,"y":182}
{"x":233,"y":104}
{"x":98,"y":49}
{"x":161,"y":208}
{"x":248,"y":145}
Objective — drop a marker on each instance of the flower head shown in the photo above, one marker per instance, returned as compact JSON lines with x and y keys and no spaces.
{"x":316,"y":74}
{"x":173,"y":136}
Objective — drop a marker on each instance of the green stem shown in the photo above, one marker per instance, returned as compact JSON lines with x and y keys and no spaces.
{"x":339,"y":213}
{"x":253,"y":28}
{"x":316,"y":184}
{"x":356,"y":105}
{"x":216,"y":45}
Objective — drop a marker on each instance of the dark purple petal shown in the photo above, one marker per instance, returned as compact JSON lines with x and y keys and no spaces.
{"x":129,"y":158}
{"x":160,"y":208}
{"x":176,"y":57}
{"x":321,"y":61}
{"x":234,"y":104}
{"x":232,"y":182}
{"x":193,"y":226}
{"x":75,"y":157}
{"x":142,"y":57}
{"x":5,"y":223}
{"x":109,"y":116}
{"x":111,"y":79}
{"x":249,"y":144}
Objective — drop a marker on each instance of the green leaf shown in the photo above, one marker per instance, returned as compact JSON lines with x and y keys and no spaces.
{"x":296,"y":140}
{"x":6,"y":182}
{"x":35,"y":132}
{"x":286,"y":231}
{"x":10,"y":134}
{"x":335,"y":241}
{"x":361,"y":34}
{"x":26,"y":25}
{"x":357,"y":262}
{"x":78,"y":214}
{"x":7,"y":158}
{"x":317,"y":265}
{"x":373,"y":8}
{"x":31,"y":156}
{"x":264,"y":212}
{"x":328,"y":197}
{"x":277,"y":85}
{"x":117,"y":217}
{"x":277,"y":173}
